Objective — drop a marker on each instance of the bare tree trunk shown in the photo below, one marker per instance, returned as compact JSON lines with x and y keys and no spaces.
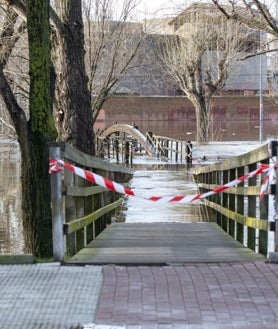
{"x":36,"y":214}
{"x":112,"y":43}
{"x":202,"y":118}
{"x":200,"y":57}
{"x":35,"y":178}
{"x":34,"y":135}
{"x":37,"y":220}
{"x":73,"y":117}
{"x":74,"y":106}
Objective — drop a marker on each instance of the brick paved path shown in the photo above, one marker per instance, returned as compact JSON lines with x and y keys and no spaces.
{"x":191,"y":296}
{"x":197,"y":296}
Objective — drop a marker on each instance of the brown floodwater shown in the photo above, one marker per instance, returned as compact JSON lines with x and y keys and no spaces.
{"x":222,"y":130}
{"x":11,"y":231}
{"x":150,"y":178}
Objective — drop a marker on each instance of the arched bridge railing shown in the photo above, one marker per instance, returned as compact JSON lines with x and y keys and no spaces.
{"x":123,"y":135}
{"x":132,"y":132}
{"x":240,"y":210}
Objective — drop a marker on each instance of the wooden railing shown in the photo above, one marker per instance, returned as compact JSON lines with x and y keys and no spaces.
{"x":170,"y":148}
{"x":122,"y":141}
{"x":80,"y":211}
{"x":239,"y":210}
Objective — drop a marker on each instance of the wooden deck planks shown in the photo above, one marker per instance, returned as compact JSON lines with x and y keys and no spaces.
{"x":163,"y":243}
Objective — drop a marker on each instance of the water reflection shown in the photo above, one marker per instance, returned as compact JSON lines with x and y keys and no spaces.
{"x":160,"y":180}
{"x":232,"y":130}
{"x":11,"y":231}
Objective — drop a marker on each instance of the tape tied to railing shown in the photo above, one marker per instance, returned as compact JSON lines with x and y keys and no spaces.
{"x":58,"y":165}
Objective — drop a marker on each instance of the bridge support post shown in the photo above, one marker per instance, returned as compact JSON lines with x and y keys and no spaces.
{"x":274,"y":255}
{"x":57,"y":208}
{"x":127,"y":151}
{"x":189,"y":152}
{"x":276,"y":205}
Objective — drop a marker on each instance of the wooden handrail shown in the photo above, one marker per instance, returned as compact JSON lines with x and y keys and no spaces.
{"x":81,"y":211}
{"x":85,"y":160}
{"x":239,"y":210}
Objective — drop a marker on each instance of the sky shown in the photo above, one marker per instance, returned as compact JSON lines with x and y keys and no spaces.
{"x":152,"y":8}
{"x":155,"y":8}
{"x":147,"y":9}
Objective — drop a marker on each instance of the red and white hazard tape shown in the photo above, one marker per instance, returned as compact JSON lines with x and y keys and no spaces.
{"x":264,"y":186}
{"x":58,"y":165}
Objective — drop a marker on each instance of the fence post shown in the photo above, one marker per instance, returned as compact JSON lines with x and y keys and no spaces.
{"x":189,"y":147}
{"x":276,"y":205}
{"x":273,"y":256}
{"x":57,"y":208}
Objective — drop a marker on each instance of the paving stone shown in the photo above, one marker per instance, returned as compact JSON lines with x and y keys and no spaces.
{"x":48,"y":295}
{"x":224,"y":296}
{"x":196,"y":296}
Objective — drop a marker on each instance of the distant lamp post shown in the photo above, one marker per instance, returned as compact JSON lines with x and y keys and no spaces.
{"x":261,"y":95}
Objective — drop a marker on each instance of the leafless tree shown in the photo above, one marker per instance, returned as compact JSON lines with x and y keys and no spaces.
{"x":68,"y":82}
{"x":256,"y":14}
{"x":15,"y":66}
{"x":112,"y":42}
{"x":37,"y":129}
{"x":261,"y":16}
{"x":199,"y":57}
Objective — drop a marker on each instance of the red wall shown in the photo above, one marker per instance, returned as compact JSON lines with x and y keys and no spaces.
{"x":226,"y":108}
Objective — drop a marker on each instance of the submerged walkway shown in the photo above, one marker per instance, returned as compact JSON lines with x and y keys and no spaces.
{"x":164,"y":243}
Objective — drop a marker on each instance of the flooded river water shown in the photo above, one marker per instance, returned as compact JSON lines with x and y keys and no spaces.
{"x":11,"y":231}
{"x":151,"y":178}
{"x":160,"y":180}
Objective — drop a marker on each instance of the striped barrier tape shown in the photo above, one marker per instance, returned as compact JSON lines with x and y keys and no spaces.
{"x":58,"y":165}
{"x":266,"y":180}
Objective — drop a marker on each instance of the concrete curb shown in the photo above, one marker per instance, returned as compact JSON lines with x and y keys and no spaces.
{"x":273,"y":257}
{"x":16,"y":259}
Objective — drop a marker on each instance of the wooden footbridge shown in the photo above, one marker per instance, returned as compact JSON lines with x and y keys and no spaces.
{"x":163,"y":244}
{"x":125,"y":139}
{"x":239,"y":225}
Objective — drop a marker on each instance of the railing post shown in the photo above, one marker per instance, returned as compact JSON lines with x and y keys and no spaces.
{"x":251,"y":210}
{"x":273,"y":256}
{"x":189,"y":152}
{"x":276,"y":204}
{"x":177,"y":149}
{"x":57,"y":208}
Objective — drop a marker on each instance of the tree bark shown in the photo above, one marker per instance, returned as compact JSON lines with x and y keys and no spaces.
{"x":73,"y":114}
{"x":38,"y":132}
{"x":36,"y":213}
{"x":73,"y":107}
{"x":202,"y":117}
